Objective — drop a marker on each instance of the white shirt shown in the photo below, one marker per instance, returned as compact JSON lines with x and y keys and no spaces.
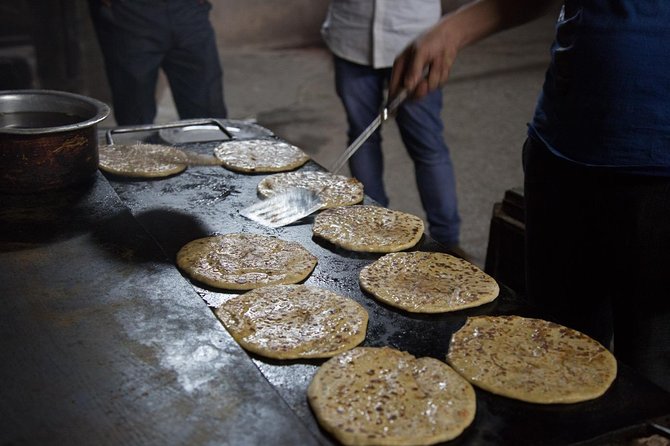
{"x":374,"y":32}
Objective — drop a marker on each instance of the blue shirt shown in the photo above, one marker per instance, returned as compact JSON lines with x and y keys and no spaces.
{"x":606,"y":96}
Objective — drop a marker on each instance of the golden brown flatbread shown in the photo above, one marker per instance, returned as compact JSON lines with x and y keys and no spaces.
{"x":244,"y":261}
{"x":334,"y":190}
{"x":368,"y":228}
{"x":260,"y":155}
{"x":294,"y":321}
{"x":372,"y":396}
{"x":141,"y":160}
{"x":427,"y":282}
{"x":531,"y":360}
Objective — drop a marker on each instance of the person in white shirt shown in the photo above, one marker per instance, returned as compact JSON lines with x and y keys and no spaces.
{"x":365,"y":36}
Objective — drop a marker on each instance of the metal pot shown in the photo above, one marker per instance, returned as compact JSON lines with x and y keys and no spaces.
{"x":48,"y":139}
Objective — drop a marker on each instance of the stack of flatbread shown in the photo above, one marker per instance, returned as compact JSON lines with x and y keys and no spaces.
{"x":294,"y":321}
{"x":368,"y":228}
{"x":427,"y":282}
{"x":244,"y":261}
{"x":260,"y":155}
{"x":333,"y":190}
{"x":531,"y":360}
{"x":371,"y":396}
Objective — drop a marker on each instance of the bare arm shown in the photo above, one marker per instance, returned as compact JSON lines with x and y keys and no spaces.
{"x":434,"y":51}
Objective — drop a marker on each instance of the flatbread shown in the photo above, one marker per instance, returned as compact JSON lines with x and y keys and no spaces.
{"x":427,"y":282}
{"x":260,"y":155}
{"x":368,"y":228}
{"x":334,"y":190}
{"x":294,"y":321}
{"x":531,"y":360}
{"x":243,"y":261}
{"x":371,"y":396}
{"x":141,"y":160}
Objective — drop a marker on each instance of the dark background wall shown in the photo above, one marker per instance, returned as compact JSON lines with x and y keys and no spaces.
{"x":51,"y":44}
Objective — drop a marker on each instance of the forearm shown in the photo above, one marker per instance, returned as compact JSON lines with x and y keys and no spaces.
{"x":482,"y":18}
{"x":425,"y":64}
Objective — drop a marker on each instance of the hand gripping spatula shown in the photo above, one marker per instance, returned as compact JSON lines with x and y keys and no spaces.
{"x":293,"y":204}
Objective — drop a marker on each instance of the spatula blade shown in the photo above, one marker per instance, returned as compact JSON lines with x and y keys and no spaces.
{"x":284,"y":208}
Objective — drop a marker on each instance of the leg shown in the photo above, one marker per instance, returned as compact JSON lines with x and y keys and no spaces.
{"x":192,"y":65}
{"x":641,"y":306}
{"x":131,"y":36}
{"x":597,"y":256}
{"x":361,"y":90}
{"x":421,"y":129}
{"x":566,"y":274}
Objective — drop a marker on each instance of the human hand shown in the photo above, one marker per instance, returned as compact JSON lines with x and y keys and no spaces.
{"x":424,"y":65}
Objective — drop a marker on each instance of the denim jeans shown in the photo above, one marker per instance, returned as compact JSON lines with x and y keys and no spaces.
{"x":361,"y":89}
{"x":140,"y":37}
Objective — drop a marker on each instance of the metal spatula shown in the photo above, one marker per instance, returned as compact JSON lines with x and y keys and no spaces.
{"x":290,"y":206}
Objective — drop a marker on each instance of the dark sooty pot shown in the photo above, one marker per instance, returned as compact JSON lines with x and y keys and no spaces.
{"x":48,"y":139}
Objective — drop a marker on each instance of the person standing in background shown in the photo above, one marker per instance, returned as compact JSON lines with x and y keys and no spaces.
{"x":140,"y":37}
{"x":596,"y":163}
{"x":365,"y":36}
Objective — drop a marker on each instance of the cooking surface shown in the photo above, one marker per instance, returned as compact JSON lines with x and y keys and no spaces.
{"x":103,"y":342}
{"x":101,"y":323}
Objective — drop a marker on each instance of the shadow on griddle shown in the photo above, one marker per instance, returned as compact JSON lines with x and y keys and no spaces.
{"x":31,"y":219}
{"x":153,"y":236}
{"x":121,"y":236}
{"x":172,"y":229}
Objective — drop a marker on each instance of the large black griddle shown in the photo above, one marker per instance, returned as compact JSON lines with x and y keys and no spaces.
{"x":203,"y":201}
{"x":104,"y":343}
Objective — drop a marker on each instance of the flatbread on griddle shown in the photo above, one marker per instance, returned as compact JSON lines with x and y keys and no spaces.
{"x":244,"y":261}
{"x":141,"y":160}
{"x":531,"y":360}
{"x":334,"y":190}
{"x":368,"y":228}
{"x":260,"y":155}
{"x":373,"y":396}
{"x":294,"y":321}
{"x":427,"y":282}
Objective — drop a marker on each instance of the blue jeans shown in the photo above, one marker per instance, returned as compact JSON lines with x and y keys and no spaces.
{"x":140,"y":37}
{"x":361,"y":89}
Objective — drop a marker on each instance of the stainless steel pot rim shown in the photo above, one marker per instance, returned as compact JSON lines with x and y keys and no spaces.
{"x":37,"y":97}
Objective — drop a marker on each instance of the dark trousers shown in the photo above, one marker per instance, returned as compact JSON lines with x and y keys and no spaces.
{"x":598,"y":255}
{"x":139,"y":37}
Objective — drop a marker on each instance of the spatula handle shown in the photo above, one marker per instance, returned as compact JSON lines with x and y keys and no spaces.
{"x":354,"y":146}
{"x":395,"y":103}
{"x":358,"y":142}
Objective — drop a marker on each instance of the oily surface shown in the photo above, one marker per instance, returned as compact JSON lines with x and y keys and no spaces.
{"x":334,"y":190}
{"x":368,"y":228}
{"x":369,"y":396}
{"x":427,"y":282}
{"x":294,"y":321}
{"x":260,"y":155}
{"x":244,"y":261}
{"x":141,"y":160}
{"x":531,"y":359}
